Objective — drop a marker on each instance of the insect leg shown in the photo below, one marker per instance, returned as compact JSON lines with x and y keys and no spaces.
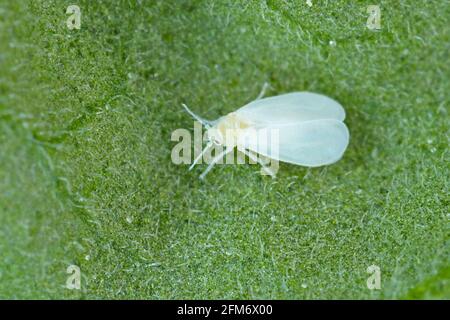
{"x":200,"y":155}
{"x":256,"y":158}
{"x":215,"y":160}
{"x":263,"y":91}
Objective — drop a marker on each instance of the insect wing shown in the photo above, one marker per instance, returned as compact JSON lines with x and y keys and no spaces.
{"x":311,"y":143}
{"x":291,"y":108}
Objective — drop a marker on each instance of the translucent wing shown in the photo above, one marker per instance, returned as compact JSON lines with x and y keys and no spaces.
{"x":292,"y":107}
{"x":311,"y":143}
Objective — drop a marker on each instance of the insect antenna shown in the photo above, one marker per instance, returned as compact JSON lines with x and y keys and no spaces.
{"x":204,"y":122}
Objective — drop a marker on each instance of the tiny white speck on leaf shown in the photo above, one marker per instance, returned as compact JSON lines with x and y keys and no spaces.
{"x":155,"y":264}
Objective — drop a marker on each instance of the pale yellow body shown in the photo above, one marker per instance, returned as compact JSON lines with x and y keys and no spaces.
{"x":228,"y":129}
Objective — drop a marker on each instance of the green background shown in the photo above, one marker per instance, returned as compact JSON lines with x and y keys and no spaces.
{"x":86,"y":176}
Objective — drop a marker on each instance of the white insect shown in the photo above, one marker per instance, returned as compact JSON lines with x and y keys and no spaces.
{"x":310,"y":127}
